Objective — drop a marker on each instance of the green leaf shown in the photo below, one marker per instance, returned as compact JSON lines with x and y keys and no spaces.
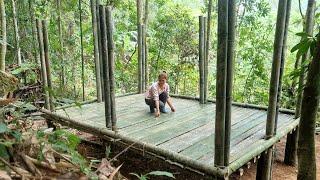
{"x":4,"y":128}
{"x":4,"y":152}
{"x":161,"y":173}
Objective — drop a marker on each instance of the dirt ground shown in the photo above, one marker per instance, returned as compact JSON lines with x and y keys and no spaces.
{"x":280,"y":170}
{"x":137,"y":162}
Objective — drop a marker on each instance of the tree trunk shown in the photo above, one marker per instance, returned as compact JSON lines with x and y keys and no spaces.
{"x":16,"y":32}
{"x":310,"y":103}
{"x":4,"y":36}
{"x":61,"y":51}
{"x":291,"y":144}
{"x":81,"y":48}
{"x":34,"y":31}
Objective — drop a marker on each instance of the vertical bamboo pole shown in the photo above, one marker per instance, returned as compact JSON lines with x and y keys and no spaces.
{"x":43,"y":64}
{"x":105,"y":59}
{"x":206,"y":66}
{"x":229,"y":84}
{"x":143,"y":63}
{"x":61,"y":51}
{"x":221,"y":82}
{"x":100,"y":48}
{"x":47,"y":63}
{"x":201,"y":58}
{"x":283,"y":60}
{"x":81,"y":47}
{"x":145,"y":22}
{"x":16,"y":32}
{"x":266,"y":162}
{"x":96,"y":49}
{"x":292,"y":139}
{"x":111,"y":66}
{"x":139,"y":40}
{"x":4,"y":36}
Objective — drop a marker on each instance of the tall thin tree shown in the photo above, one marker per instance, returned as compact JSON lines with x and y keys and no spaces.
{"x":4,"y":36}
{"x":16,"y":33}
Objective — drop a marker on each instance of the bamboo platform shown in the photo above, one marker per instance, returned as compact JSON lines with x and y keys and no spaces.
{"x":185,"y":136}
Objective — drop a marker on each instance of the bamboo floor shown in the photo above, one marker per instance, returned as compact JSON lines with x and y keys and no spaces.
{"x":187,"y":135}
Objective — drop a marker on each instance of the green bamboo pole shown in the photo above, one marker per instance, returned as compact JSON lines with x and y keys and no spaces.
{"x":230,"y":59}
{"x":111,"y":66}
{"x":47,"y":62}
{"x":143,"y":63}
{"x":81,"y":48}
{"x":96,"y":49}
{"x":221,"y":82}
{"x":100,"y":47}
{"x":146,"y":51}
{"x":206,"y":66}
{"x":43,"y":65}
{"x":264,"y":164}
{"x":292,"y":139}
{"x":201,"y":58}
{"x":105,"y":60}
{"x":283,"y":60}
{"x":140,"y":48}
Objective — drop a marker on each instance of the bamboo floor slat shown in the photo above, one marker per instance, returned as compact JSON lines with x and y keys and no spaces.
{"x":188,"y":132}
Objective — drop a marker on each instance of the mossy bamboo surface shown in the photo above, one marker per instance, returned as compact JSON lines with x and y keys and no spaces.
{"x":186,"y":136}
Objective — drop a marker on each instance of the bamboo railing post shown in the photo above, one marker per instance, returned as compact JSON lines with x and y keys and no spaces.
{"x":145,"y":22}
{"x":292,"y":139}
{"x":229,"y":83}
{"x":143,"y":62}
{"x":201,"y":57}
{"x":43,"y":64}
{"x":140,"y":48}
{"x":105,"y":59}
{"x":265,"y":163}
{"x":81,"y":48}
{"x":100,"y":48}
{"x":47,"y":63}
{"x":111,"y":66}
{"x":207,"y":47}
{"x":221,"y":82}
{"x":96,"y":49}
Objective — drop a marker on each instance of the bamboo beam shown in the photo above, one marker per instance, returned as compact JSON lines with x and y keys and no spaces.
{"x":140,"y":48}
{"x":265,"y":163}
{"x":105,"y":62}
{"x":206,"y":66}
{"x":111,"y":67}
{"x":201,"y":58}
{"x":43,"y":64}
{"x":221,"y":82}
{"x":47,"y":63}
{"x":93,"y":6}
{"x":229,"y":83}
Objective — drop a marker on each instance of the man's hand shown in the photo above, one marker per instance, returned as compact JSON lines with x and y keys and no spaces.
{"x":173,"y":109}
{"x":157,"y":114}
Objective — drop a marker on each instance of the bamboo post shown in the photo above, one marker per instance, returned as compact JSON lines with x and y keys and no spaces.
{"x":47,"y":63}
{"x":265,"y":163}
{"x":143,"y":62}
{"x":81,"y":48}
{"x":100,"y":48}
{"x":111,"y":66}
{"x":283,"y":60}
{"x":145,"y":22}
{"x":96,"y":49}
{"x":201,"y":57}
{"x":43,"y":64}
{"x":221,"y":82}
{"x":292,"y":139}
{"x":206,"y":65}
{"x":229,"y":83}
{"x":105,"y":59}
{"x":139,"y":41}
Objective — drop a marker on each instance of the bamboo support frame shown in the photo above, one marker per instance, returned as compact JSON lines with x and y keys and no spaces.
{"x":100,"y":48}
{"x":47,"y":62}
{"x":201,"y":58}
{"x":111,"y":66}
{"x":221,"y":82}
{"x":265,"y":163}
{"x":143,"y":63}
{"x":207,"y":48}
{"x":105,"y":62}
{"x":223,"y":172}
{"x":96,"y":49}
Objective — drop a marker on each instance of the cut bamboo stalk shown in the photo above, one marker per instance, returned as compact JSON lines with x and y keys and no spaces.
{"x":201,"y":57}
{"x":139,"y":42}
{"x":105,"y":62}
{"x":221,"y":82}
{"x":111,"y":67}
{"x":93,"y":6}
{"x":229,"y":83}
{"x":208,"y":33}
{"x":100,"y":47}
{"x":143,"y":63}
{"x":266,"y":162}
{"x":47,"y":62}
